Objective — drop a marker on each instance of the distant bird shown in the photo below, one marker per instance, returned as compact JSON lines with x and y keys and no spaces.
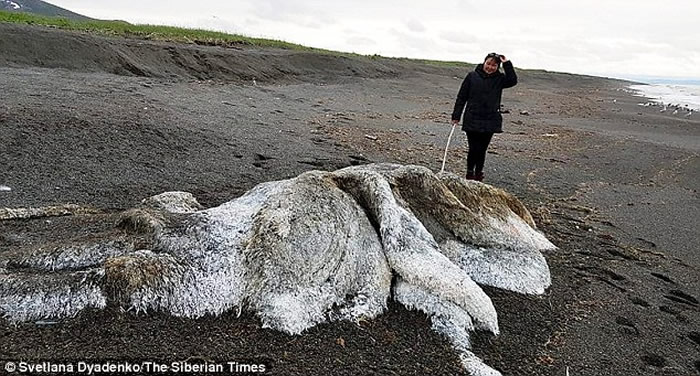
{"x":614,"y":100}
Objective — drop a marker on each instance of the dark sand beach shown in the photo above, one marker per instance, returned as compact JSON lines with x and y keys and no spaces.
{"x":104,"y":122}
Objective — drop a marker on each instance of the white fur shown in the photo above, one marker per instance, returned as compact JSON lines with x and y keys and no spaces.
{"x":298,"y":252}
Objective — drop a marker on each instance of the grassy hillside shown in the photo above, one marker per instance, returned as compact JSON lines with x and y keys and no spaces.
{"x":154,"y":32}
{"x":170,"y":33}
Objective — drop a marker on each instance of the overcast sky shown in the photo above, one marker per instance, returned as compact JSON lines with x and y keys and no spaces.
{"x":616,"y":38}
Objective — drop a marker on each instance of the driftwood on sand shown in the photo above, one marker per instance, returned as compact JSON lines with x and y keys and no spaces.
{"x":322,"y":246}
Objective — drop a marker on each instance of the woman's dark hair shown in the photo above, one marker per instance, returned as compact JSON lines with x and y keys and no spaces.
{"x":496,"y":57}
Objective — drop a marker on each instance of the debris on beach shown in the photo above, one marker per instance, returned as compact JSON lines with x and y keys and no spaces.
{"x":4,"y":188}
{"x":320,"y":247}
{"x":46,"y":211}
{"x":45,"y":323}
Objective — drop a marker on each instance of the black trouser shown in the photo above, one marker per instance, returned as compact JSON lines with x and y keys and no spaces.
{"x":478,"y":143}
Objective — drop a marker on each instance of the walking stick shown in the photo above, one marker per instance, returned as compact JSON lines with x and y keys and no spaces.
{"x":447,"y":147}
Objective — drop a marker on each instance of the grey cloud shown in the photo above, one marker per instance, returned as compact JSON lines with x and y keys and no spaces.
{"x":415,"y":25}
{"x":278,"y":9}
{"x":360,"y":41}
{"x":252,"y":22}
{"x":305,"y":14}
{"x":413,"y":43}
{"x":458,"y":37}
{"x":313,"y":25}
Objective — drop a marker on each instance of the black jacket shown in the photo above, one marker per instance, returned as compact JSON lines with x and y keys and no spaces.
{"x":481,"y":93}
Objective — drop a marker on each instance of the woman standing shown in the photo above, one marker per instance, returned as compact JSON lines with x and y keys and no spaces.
{"x":481,"y":93}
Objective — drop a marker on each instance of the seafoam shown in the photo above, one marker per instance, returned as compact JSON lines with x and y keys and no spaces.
{"x":683,"y":96}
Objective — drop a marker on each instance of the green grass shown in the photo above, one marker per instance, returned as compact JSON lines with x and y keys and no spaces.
{"x":152,"y":32}
{"x":178,"y":34}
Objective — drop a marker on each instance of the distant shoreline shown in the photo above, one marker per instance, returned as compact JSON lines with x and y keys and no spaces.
{"x":653,"y":80}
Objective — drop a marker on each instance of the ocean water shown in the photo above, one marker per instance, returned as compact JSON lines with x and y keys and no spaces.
{"x":684,"y":96}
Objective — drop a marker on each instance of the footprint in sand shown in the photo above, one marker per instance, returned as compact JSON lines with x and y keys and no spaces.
{"x":682,"y":297}
{"x":627,"y":326}
{"x":695,"y":337}
{"x":318,"y":140}
{"x":316,"y":162}
{"x":358,"y":160}
{"x":639,"y":301}
{"x":663,"y":277}
{"x":675,"y":312}
{"x":654,"y":360}
{"x":260,"y":160}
